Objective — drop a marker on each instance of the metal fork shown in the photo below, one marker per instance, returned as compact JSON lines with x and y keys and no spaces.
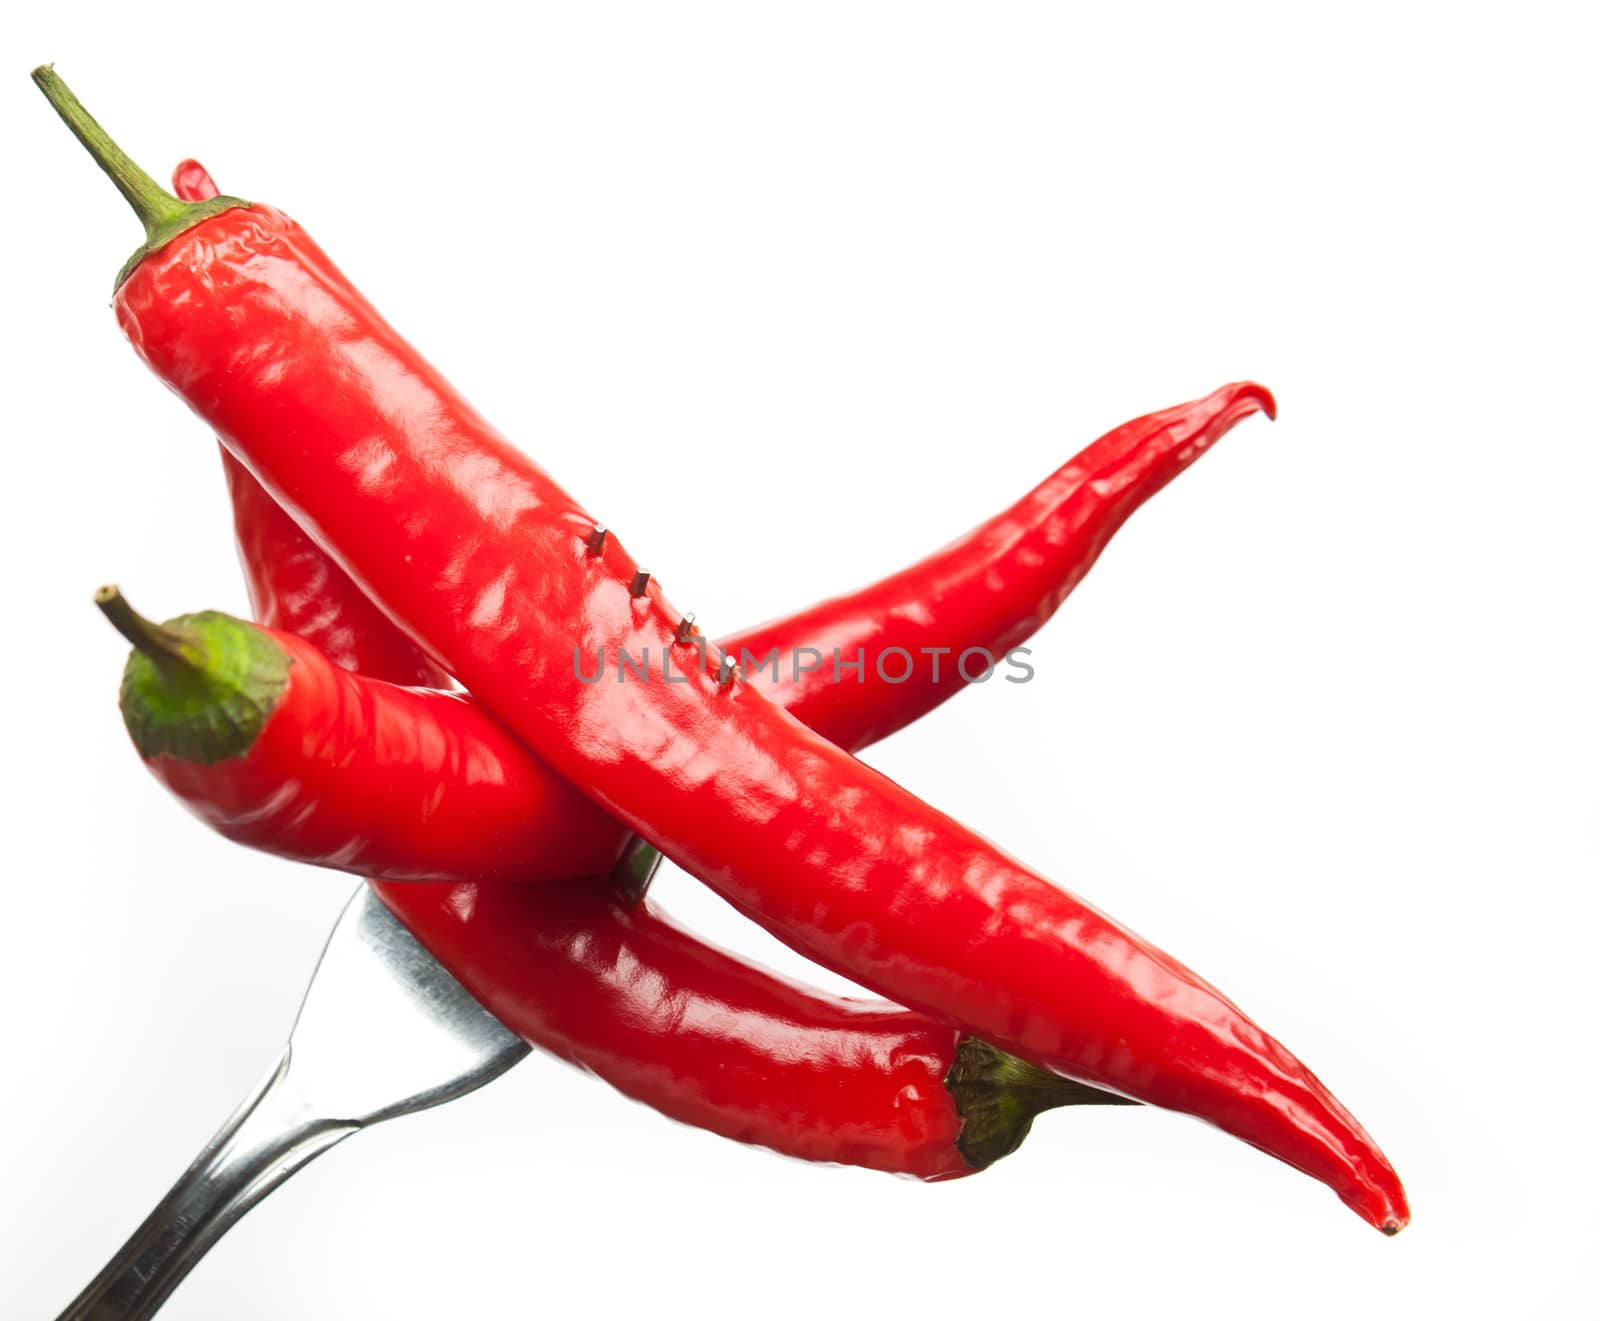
{"x":383,"y":1030}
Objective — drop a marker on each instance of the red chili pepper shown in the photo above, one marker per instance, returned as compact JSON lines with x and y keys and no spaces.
{"x":575,"y":969}
{"x":712,"y":1041}
{"x":461,"y":801}
{"x":495,"y":570}
{"x":325,"y":766}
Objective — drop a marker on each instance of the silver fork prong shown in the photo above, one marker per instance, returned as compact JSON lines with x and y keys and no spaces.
{"x":383,"y":1030}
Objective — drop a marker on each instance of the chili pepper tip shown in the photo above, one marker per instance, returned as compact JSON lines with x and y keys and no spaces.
{"x":193,"y":182}
{"x":1249,"y":393}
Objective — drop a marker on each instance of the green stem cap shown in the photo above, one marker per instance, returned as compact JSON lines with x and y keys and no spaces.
{"x":199,"y":687}
{"x":164,"y":217}
{"x":997,"y":1096}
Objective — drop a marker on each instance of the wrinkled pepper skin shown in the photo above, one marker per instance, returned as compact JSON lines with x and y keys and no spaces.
{"x":692,"y":1031}
{"x":487,"y":563}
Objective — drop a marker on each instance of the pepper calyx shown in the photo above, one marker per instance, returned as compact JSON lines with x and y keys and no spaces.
{"x":200,"y":687}
{"x":998,"y":1095}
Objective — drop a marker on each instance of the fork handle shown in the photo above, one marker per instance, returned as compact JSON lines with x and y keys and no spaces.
{"x":271,"y":1135}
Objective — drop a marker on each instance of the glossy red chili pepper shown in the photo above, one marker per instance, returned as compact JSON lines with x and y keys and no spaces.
{"x":461,"y":801}
{"x":326,"y":766}
{"x":579,"y":971}
{"x":498,"y":573}
{"x":712,"y":1041}
{"x":989,"y":590}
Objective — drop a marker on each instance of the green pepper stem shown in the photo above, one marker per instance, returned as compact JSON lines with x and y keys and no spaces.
{"x":167,"y":648}
{"x":163,"y":216}
{"x":152,"y":203}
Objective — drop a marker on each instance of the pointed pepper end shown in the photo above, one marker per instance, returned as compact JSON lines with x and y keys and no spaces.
{"x":192,"y":182}
{"x":1381,"y":1201}
{"x":1257,"y":398}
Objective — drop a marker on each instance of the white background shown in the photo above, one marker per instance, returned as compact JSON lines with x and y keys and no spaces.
{"x":791,"y":295}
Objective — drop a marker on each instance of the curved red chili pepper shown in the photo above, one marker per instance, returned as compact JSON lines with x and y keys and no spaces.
{"x":460,"y":800}
{"x":712,"y":1041}
{"x":452,"y":791}
{"x":412,"y":784}
{"x":494,"y":569}
{"x":992,"y":589}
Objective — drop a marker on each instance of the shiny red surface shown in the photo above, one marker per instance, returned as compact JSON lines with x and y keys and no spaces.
{"x":348,"y":772}
{"x":695,"y":1032}
{"x":296,"y":588}
{"x":481,"y":558}
{"x":293,"y":585}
